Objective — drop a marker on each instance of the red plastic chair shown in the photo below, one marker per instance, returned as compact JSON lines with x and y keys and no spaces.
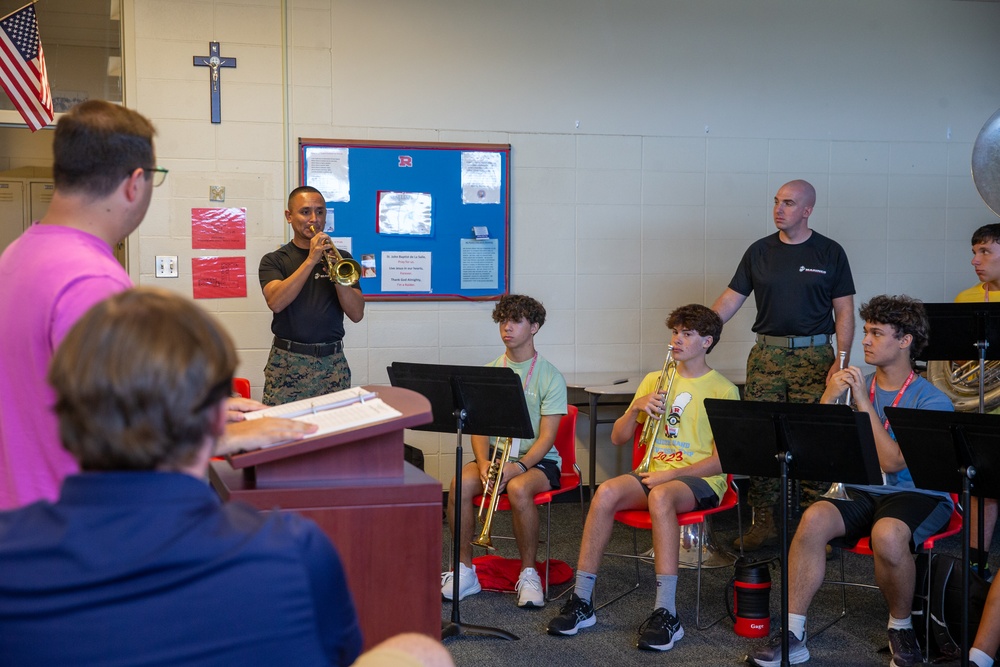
{"x":641,"y":520}
{"x":241,"y":386}
{"x":570,"y":477}
{"x":864,"y":548}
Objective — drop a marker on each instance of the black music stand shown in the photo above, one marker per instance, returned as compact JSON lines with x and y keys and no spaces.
{"x":965,"y":331}
{"x":793,"y":441}
{"x":956,"y":452}
{"x":473,"y":400}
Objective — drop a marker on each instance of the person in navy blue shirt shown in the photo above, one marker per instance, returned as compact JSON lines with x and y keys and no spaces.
{"x":138,"y":561}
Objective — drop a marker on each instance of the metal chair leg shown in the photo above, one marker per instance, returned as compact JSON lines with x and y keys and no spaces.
{"x":843,"y":583}
{"x":635,"y":557}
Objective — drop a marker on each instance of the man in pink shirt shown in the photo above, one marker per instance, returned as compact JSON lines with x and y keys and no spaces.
{"x":104,"y":170}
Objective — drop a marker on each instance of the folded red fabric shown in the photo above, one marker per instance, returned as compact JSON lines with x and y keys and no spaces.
{"x":500,"y":574}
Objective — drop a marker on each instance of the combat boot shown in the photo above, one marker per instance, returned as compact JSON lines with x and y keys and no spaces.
{"x":763,"y":532}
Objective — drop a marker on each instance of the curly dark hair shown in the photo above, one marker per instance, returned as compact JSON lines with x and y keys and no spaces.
{"x":516,"y":307}
{"x":139,"y":380}
{"x":987,"y":234}
{"x":697,"y":317}
{"x":905,"y":314}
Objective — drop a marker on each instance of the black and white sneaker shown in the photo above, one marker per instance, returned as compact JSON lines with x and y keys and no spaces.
{"x":660,"y":631}
{"x":769,"y":655}
{"x":575,"y":614}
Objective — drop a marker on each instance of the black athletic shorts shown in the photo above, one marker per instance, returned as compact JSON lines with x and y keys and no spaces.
{"x":925,"y":514}
{"x":547,"y":466}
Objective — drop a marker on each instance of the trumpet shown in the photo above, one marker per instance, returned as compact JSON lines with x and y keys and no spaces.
{"x":342,"y":271}
{"x":837,"y":490}
{"x":501,"y":455}
{"x":843,"y":360}
{"x":648,"y":434}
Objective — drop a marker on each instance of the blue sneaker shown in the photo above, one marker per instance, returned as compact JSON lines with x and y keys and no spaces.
{"x":904,"y":648}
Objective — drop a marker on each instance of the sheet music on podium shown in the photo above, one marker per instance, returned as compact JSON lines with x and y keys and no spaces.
{"x":335,"y":412}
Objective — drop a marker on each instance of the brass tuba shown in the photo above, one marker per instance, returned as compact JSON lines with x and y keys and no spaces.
{"x":959,"y":380}
{"x":648,"y":434}
{"x":342,"y":271}
{"x":501,"y":455}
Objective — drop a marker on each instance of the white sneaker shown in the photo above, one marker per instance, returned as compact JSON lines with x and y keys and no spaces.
{"x":468,"y":582}
{"x":529,"y":589}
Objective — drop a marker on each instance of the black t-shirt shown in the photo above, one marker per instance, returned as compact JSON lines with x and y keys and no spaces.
{"x":794,"y":285}
{"x":315,"y":316}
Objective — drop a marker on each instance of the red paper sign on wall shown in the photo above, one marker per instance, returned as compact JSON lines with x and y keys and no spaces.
{"x":219,"y":228}
{"x":219,"y":277}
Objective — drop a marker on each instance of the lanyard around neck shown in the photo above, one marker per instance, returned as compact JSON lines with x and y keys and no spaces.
{"x":531,"y":369}
{"x":871,"y":397}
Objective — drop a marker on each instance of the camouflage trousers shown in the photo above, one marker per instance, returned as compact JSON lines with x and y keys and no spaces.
{"x":784,"y":375}
{"x":289,"y":376}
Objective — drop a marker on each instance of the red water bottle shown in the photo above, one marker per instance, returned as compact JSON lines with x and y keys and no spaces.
{"x":751,"y":598}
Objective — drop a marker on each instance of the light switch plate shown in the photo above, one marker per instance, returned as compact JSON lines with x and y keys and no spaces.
{"x":166,"y":266}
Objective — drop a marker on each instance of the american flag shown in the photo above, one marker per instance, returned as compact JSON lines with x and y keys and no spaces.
{"x":22,"y":67}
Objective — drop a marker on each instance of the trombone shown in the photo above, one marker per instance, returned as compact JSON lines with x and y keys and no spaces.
{"x":837,"y":490}
{"x":501,"y":455}
{"x":648,"y":434}
{"x":342,"y":271}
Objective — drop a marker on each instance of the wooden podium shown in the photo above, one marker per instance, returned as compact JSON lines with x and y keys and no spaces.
{"x":383,"y":515}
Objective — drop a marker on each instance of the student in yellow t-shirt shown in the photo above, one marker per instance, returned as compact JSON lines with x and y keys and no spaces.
{"x":684,"y":475}
{"x":986,"y":262}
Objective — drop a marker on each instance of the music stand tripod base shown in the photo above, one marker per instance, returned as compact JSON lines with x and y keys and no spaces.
{"x":473,"y":400}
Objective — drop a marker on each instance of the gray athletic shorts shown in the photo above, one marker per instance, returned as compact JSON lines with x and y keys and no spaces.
{"x":704,"y":497}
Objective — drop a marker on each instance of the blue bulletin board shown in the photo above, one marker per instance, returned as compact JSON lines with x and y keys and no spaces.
{"x":427,"y":221}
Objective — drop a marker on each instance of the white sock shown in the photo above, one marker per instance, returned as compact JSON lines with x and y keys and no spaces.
{"x":900,"y":623}
{"x":980,"y":659}
{"x":797,"y":625}
{"x":584,"y":587}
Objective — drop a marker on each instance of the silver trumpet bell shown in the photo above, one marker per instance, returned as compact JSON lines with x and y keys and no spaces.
{"x":713,"y":555}
{"x":837,"y":491}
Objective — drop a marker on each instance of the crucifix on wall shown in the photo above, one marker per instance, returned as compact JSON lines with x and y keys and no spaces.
{"x":215,"y":62}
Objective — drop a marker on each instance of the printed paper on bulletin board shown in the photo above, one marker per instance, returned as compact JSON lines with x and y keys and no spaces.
{"x":409,"y":210}
{"x":219,"y":277}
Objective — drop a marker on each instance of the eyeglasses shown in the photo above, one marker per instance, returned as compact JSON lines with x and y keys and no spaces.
{"x":158,"y":174}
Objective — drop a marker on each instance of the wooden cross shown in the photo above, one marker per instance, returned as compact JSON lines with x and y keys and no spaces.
{"x":214,"y":61}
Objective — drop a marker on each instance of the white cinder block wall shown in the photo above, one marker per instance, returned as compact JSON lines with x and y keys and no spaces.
{"x":690,"y":117}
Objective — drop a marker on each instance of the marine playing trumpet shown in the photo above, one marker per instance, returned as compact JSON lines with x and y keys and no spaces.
{"x":342,"y":271}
